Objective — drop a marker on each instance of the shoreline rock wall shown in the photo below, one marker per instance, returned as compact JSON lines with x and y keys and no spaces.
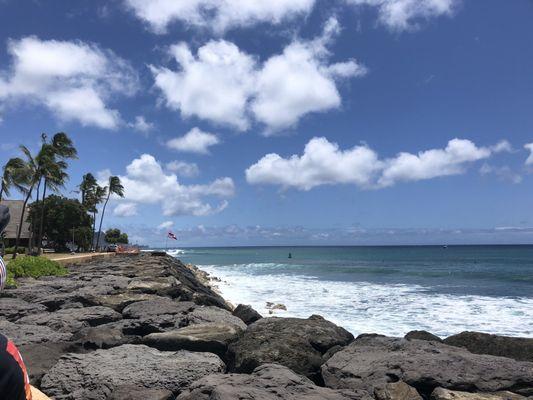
{"x":145,"y":327}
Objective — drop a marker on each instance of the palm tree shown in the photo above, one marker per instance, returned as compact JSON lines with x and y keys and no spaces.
{"x":12,"y":176}
{"x":114,"y":187}
{"x":53,"y":169}
{"x":86,"y":186}
{"x":29,"y":176}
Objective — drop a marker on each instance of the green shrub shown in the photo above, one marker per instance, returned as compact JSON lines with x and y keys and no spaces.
{"x":34,"y":267}
{"x":11,"y":250}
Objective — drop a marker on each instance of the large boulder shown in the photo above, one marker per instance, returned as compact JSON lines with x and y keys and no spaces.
{"x":422,"y":335}
{"x":14,"y":308}
{"x":208,"y":337}
{"x":22,"y":334}
{"x":370,"y":362}
{"x":72,"y":319}
{"x":396,"y":391}
{"x":102,"y":373}
{"x":520,"y":349}
{"x":119,"y":301}
{"x":445,"y":394}
{"x":247,"y":314}
{"x":267,"y":382}
{"x":296,"y":343}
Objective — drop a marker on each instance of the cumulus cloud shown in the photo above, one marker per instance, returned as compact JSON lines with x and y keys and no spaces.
{"x":182,"y":168}
{"x":125,"y":210}
{"x":529,"y":147}
{"x":227,"y":86}
{"x":194,"y":141}
{"x":142,"y":125}
{"x":402,"y":15}
{"x":146,"y":182}
{"x":218,"y":15}
{"x":324,"y":163}
{"x":73,"y":79}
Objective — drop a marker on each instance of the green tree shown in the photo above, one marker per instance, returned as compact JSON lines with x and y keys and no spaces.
{"x":94,"y":196}
{"x":53,"y":169}
{"x":63,"y":218}
{"x":12,"y":176}
{"x":115,"y":236}
{"x":114,"y":187}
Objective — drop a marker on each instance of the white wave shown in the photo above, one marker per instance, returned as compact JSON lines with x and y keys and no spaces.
{"x":363,"y":307}
{"x":175,"y":252}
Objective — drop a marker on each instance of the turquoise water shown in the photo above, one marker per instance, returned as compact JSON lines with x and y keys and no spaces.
{"x":388,"y":290}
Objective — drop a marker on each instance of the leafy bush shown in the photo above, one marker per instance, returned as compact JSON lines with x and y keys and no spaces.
{"x":34,"y":267}
{"x":11,"y":250}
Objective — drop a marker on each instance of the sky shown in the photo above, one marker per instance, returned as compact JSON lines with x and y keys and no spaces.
{"x":288,"y":122}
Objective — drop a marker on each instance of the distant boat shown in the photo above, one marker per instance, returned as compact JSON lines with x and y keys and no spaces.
{"x":445,"y":246}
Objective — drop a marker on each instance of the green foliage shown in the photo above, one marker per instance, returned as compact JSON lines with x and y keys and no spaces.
{"x":61,"y":217}
{"x":34,"y":267}
{"x":11,"y":250}
{"x":115,"y":236}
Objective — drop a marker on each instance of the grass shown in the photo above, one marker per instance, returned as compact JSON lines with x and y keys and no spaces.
{"x":33,"y":267}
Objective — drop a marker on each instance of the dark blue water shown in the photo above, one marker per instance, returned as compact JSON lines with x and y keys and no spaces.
{"x":486,"y":288}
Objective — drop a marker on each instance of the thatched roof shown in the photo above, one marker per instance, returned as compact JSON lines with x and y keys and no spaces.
{"x":15,"y":209}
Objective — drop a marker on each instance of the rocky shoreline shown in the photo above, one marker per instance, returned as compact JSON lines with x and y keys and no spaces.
{"x":149,"y":327}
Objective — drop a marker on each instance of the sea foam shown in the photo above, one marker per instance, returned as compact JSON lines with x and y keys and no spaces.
{"x":362,"y":307}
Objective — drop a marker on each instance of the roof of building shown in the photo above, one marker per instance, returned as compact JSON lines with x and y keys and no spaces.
{"x":15,"y":209}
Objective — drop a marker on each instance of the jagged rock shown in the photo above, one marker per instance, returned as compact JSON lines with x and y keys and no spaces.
{"x":267,"y":382}
{"x":371,"y":362}
{"x":72,"y":319}
{"x":98,"y":375}
{"x":396,"y":391}
{"x":130,"y":392}
{"x":296,"y":343}
{"x":247,"y":314}
{"x":40,"y":357}
{"x":202,"y":315}
{"x":22,"y":334}
{"x":444,"y":394}
{"x":209,"y":337}
{"x":161,"y":286}
{"x":12,"y":309}
{"x":520,"y":349}
{"x":119,"y":301}
{"x":422,"y":335}
{"x":100,"y":337}
{"x":157,"y":306}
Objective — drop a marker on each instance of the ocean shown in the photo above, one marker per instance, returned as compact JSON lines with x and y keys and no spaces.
{"x":386,"y":290}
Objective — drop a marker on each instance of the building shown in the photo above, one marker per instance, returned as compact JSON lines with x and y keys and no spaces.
{"x":10,"y":233}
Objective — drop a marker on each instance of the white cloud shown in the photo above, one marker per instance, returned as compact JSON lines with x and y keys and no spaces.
{"x":165,"y":225}
{"x":503,"y":173}
{"x":432,"y":163}
{"x":300,"y":81}
{"x":402,"y":15}
{"x":125,"y":210}
{"x":324,"y":163}
{"x":502,"y":146}
{"x":73,"y":79}
{"x":145,"y":182}
{"x":182,"y":168}
{"x":141,"y":125}
{"x":194,"y":141}
{"x":226,"y":86}
{"x":218,"y":15}
{"x":529,"y":160}
{"x":215,"y":85}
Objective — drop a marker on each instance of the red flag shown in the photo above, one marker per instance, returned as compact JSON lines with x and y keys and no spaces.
{"x":172,"y":236}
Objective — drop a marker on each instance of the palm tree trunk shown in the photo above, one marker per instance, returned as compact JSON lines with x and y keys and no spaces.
{"x":41,"y":221}
{"x":19,"y":231}
{"x":33,"y":228}
{"x":94,"y":230}
{"x":1,"y":191}
{"x":101,"y":220}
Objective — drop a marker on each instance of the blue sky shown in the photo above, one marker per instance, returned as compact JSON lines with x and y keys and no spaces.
{"x":287,"y":122}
